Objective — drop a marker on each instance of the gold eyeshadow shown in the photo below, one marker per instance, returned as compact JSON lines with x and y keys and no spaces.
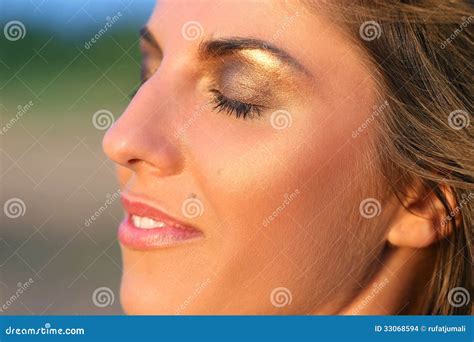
{"x":262,"y":58}
{"x":250,"y":76}
{"x":243,"y":82}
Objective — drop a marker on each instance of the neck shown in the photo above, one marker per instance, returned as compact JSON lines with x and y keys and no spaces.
{"x":397,"y":287}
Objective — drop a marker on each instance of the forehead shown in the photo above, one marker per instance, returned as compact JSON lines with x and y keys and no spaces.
{"x":270,"y":20}
{"x":290,"y":25}
{"x":317,"y":41}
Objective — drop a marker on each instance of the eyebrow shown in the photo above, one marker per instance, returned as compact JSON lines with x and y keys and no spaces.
{"x":224,"y":46}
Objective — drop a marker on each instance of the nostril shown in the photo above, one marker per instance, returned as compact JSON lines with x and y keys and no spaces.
{"x":142,"y":148}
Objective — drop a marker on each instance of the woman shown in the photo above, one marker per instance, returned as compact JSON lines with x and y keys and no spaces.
{"x":310,"y":157}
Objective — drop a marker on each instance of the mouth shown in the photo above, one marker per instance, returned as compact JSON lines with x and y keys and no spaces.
{"x":146,"y":227}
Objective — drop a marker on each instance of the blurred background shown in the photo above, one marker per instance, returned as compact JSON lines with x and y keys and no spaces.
{"x":67,"y":69}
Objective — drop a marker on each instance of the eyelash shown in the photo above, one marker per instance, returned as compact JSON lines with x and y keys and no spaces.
{"x":222,"y":103}
{"x":234,"y":107}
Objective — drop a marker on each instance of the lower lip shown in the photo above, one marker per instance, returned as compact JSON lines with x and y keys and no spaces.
{"x":145,"y":239}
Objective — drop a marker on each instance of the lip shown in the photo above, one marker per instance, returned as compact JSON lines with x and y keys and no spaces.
{"x":173,"y":233}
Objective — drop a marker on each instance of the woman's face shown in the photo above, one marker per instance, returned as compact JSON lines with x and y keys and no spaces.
{"x":242,"y":136}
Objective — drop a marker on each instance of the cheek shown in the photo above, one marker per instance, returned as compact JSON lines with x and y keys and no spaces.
{"x":124,"y":175}
{"x":247,"y":170}
{"x":278,"y":197}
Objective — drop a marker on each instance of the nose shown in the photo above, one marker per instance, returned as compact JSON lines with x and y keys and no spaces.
{"x":141,"y":140}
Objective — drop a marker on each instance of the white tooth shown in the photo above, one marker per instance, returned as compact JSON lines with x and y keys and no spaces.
{"x":159,"y":224}
{"x":146,"y":223}
{"x":136,"y":221}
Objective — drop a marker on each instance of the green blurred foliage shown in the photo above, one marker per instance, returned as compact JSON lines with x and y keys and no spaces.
{"x":63,"y":77}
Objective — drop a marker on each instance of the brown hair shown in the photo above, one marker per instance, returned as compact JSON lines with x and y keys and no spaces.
{"x":421,"y":54}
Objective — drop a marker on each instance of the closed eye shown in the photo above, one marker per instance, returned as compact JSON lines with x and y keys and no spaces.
{"x":235,"y":107}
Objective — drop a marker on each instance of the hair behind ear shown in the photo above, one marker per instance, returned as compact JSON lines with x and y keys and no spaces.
{"x":427,"y":81}
{"x":453,"y":265}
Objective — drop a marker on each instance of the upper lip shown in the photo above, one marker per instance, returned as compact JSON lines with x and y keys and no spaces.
{"x":139,"y":208}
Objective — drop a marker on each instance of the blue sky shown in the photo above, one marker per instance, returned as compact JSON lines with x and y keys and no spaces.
{"x":66,"y":17}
